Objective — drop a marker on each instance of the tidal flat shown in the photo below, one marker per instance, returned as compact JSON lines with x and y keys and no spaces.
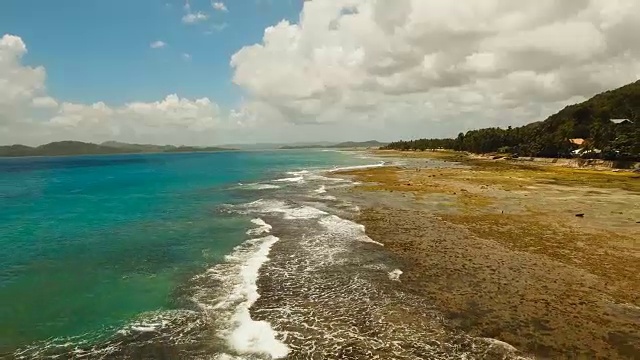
{"x":545,"y":258}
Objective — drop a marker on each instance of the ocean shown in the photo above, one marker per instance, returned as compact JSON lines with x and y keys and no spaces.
{"x":100,"y":250}
{"x":221,"y":256}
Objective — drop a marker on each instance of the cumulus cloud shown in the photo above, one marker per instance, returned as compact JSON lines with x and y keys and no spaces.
{"x":44,"y":102}
{"x":194,"y":18}
{"x":360,"y":69}
{"x":29,"y":115}
{"x":18,"y":84}
{"x":439,"y":66}
{"x":219,"y":6}
{"x":165,"y":116}
{"x":158,"y":44}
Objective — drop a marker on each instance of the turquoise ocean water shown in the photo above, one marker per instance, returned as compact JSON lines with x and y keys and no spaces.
{"x":88,"y":243}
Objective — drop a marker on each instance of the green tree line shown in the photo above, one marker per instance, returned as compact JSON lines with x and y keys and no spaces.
{"x":599,"y":121}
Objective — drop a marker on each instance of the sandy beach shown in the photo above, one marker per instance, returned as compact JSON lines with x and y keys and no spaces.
{"x":544,"y":258}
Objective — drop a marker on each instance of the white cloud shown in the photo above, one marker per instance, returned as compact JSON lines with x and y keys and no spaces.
{"x":28,"y":115}
{"x":439,"y":66}
{"x":19,"y":84}
{"x":168,"y":115}
{"x":219,"y":6}
{"x":365,"y":69}
{"x":186,"y":57}
{"x":171,"y":120}
{"x":158,"y":44}
{"x":44,"y":102}
{"x":194,"y":18}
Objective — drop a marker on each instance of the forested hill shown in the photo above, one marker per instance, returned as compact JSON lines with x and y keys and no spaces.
{"x":61,"y":148}
{"x":599,"y":121}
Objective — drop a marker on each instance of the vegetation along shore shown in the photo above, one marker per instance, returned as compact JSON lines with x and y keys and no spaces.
{"x":606,"y":126}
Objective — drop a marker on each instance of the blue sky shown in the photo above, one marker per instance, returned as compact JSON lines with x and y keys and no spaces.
{"x":335,"y":70}
{"x":99,"y":50}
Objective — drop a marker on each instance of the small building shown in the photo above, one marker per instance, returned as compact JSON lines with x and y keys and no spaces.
{"x":577,"y":141}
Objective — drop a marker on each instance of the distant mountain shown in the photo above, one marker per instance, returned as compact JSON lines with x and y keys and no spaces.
{"x":61,"y":148}
{"x":299,"y":147}
{"x":343,"y":145}
{"x":137,"y":147}
{"x":149,"y":148}
{"x":58,"y":149}
{"x":359,"y":144}
{"x":16,"y":150}
{"x":275,"y":146}
{"x":187,"y":149}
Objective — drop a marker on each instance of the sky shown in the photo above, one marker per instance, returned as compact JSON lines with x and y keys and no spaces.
{"x":241,"y":71}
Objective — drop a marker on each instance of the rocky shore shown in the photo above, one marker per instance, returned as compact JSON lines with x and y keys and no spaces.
{"x":544,"y":258}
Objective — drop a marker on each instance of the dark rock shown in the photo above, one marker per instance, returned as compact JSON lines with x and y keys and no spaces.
{"x":580,"y":215}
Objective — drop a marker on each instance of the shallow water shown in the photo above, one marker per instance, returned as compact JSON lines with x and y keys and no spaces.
{"x":207,"y":256}
{"x":92,"y":242}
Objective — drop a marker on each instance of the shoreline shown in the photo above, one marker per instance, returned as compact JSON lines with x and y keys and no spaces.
{"x":387,"y":269}
{"x":540,"y":257}
{"x":576,"y":163}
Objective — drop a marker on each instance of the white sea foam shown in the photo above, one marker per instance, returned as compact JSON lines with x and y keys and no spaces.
{"x":143,"y":328}
{"x":258,"y":186}
{"x":262,"y":228}
{"x":303,"y":212}
{"x":318,"y":177}
{"x":260,"y":222}
{"x":148,"y":326}
{"x":289,"y":212}
{"x":395,"y":275}
{"x":245,"y":335}
{"x":346,"y":229}
{"x":298,"y":173}
{"x":297,"y":179}
{"x":346,"y":168}
{"x":165,"y":325}
{"x":321,"y":190}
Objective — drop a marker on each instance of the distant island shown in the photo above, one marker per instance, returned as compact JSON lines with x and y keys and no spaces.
{"x":65,"y":148}
{"x":343,"y":145}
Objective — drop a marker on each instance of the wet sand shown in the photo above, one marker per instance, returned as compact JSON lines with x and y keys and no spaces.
{"x":497,"y":247}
